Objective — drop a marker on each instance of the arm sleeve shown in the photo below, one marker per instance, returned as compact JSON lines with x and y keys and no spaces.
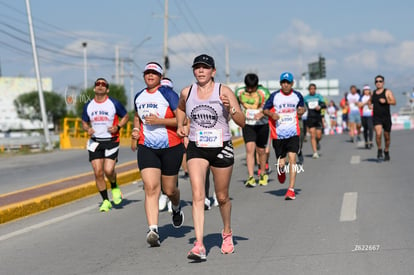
{"x":120,"y":109}
{"x":85,"y":116}
{"x":269,"y":102}
{"x":170,"y":96}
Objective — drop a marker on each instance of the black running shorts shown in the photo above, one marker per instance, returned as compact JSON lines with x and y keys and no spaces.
{"x":284,"y":146}
{"x":168,"y":160}
{"x":314,"y":122}
{"x":256,"y":133}
{"x":103,"y":149}
{"x":384,"y":121}
{"x":217,"y":157}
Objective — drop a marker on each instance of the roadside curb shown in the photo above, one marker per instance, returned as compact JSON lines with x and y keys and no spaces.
{"x":53,"y":199}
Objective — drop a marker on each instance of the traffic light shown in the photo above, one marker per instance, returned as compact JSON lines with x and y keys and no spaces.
{"x":322,"y":67}
{"x":166,"y":62}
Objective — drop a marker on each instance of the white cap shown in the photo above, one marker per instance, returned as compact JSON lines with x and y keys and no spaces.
{"x":152,"y":66}
{"x":167,"y":82}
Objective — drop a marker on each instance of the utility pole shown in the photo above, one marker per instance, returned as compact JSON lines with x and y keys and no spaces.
{"x":166,"y":60}
{"x":131,"y":74}
{"x":121,"y":63}
{"x":117,"y":65}
{"x":227,"y":65}
{"x":39,"y":80}
{"x":85,"y":67}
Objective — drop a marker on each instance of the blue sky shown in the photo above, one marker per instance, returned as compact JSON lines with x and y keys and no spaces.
{"x":359,"y":39}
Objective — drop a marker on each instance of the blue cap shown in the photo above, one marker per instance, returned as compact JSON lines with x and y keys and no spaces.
{"x":286,"y":76}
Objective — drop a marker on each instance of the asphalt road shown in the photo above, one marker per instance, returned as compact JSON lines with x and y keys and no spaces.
{"x":23,"y":171}
{"x":352,"y":215}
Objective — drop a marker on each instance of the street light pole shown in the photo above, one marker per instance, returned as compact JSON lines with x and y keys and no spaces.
{"x":131,"y":73}
{"x":165,"y":49}
{"x":85,"y":66}
{"x":49,"y":145}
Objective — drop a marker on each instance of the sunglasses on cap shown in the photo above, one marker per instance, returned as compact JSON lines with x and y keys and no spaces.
{"x":101,"y":83}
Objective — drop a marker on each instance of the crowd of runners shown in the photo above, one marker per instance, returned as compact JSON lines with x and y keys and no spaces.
{"x":191,"y":131}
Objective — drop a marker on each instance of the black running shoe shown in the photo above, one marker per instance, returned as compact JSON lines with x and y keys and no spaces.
{"x":379,"y":156}
{"x":177,"y":218}
{"x":386,"y":156}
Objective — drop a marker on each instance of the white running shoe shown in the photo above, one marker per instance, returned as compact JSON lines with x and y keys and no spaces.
{"x":215,"y":201}
{"x":207,"y":204}
{"x":169,"y":206}
{"x":315,"y":155}
{"x":162,"y":202}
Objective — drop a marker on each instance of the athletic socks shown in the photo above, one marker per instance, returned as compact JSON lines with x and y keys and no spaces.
{"x":104,"y":194}
{"x":114,"y":185}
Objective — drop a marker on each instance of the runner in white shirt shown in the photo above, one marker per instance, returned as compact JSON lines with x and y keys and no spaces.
{"x":354,"y":120}
{"x":283,"y":109}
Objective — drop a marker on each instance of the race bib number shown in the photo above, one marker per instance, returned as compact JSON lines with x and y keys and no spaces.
{"x":287,"y":119}
{"x":146,"y":113}
{"x":313,"y":104}
{"x":209,"y":138}
{"x":250,"y":113}
{"x":91,"y":145}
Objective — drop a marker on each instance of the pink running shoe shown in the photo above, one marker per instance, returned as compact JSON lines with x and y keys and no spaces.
{"x":198,"y":252}
{"x":227,"y":247}
{"x":290,"y":194}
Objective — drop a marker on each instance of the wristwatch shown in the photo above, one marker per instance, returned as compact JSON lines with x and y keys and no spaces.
{"x":233,"y":110}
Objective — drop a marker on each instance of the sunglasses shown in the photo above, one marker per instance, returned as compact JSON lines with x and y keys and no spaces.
{"x":100,"y":83}
{"x":285,"y":81}
{"x":378,"y":81}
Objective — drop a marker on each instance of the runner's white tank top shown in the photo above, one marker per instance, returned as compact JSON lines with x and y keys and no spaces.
{"x":207,"y":114}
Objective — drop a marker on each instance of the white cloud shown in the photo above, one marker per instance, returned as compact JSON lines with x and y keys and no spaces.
{"x":364,"y":59}
{"x":401,"y":55}
{"x":376,"y":37}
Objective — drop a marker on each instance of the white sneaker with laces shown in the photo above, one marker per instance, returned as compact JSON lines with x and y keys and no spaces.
{"x":215,"y":201}
{"x":162,"y":202}
{"x":207,"y":204}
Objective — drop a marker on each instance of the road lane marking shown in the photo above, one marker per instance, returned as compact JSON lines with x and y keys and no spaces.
{"x":67,"y":216}
{"x":54,"y":220}
{"x":355,"y":159}
{"x":349,"y":205}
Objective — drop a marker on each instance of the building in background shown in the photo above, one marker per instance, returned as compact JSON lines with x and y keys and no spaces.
{"x":326,"y":87}
{"x":10,"y":89}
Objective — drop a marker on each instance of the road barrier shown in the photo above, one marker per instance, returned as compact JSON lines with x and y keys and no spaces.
{"x":74,"y":137}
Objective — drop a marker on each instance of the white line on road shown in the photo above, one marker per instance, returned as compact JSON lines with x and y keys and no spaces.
{"x":355,"y":159}
{"x":67,"y":216}
{"x":54,"y":220}
{"x":349,"y":205}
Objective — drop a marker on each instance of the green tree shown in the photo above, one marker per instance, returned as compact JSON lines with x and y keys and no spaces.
{"x":28,"y":106}
{"x":115,"y":91}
